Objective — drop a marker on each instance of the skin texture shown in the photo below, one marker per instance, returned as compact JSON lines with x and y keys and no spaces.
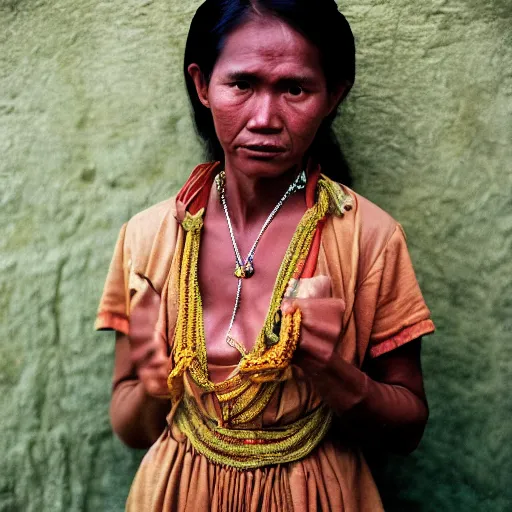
{"x":268,"y":96}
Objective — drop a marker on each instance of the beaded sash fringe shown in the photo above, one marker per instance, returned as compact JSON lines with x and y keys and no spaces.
{"x":252,"y":448}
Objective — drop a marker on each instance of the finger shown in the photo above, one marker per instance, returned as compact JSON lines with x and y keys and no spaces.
{"x":144,"y":340}
{"x":314,"y":287}
{"x":155,"y":385}
{"x":303,"y":304}
{"x":157,"y":361}
{"x":157,"y":373}
{"x":288,"y":306}
{"x":291,"y":289}
{"x":141,"y":353}
{"x":147,"y":353}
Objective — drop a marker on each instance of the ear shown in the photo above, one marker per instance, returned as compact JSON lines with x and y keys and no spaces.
{"x":199,"y":81}
{"x":336,"y":96}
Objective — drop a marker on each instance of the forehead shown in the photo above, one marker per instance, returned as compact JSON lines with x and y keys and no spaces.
{"x":268,"y":44}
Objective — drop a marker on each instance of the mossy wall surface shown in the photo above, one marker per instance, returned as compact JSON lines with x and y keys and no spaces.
{"x":94,"y":126}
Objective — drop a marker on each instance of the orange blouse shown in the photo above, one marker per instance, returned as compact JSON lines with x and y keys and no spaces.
{"x":364,"y":253}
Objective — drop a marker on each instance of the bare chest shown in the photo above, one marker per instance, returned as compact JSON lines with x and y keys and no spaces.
{"x":218,"y":285}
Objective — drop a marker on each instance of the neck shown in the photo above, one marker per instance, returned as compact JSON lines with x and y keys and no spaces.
{"x":252,"y":198}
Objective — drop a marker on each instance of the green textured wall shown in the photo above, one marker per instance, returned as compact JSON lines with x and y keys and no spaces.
{"x":94,"y":126}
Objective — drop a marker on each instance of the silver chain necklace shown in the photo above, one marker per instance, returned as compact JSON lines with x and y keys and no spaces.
{"x":244,"y":269}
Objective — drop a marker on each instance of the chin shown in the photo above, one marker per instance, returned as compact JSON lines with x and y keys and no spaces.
{"x":260,"y":167}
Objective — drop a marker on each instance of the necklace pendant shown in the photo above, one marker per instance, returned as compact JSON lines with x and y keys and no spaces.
{"x":248,"y":269}
{"x":239,"y":271}
{"x":244,"y":271}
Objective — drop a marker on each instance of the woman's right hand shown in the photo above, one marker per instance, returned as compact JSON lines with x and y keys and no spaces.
{"x":148,"y":350}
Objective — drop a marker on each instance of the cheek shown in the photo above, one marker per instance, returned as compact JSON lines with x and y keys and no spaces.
{"x":304,"y":122}
{"x":226,"y":112}
{"x":226,"y":121}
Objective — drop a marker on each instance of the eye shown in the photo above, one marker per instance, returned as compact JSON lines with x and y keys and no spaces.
{"x":241,"y":85}
{"x":295,"y":90}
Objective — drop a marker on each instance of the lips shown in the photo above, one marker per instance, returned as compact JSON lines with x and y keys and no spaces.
{"x":264,"y":148}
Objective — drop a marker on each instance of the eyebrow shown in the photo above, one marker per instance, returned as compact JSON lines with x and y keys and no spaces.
{"x":253,"y":77}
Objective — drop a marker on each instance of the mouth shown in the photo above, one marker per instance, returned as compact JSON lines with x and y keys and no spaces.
{"x":263,"y":150}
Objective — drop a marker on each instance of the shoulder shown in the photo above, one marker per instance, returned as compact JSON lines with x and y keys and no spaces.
{"x":374,"y":223}
{"x":146,"y":223}
{"x":153,"y":214}
{"x":352,"y":211}
{"x":149,"y":233}
{"x":376,"y":229}
{"x":370,"y":228}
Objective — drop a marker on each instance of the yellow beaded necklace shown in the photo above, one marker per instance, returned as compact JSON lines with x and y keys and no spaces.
{"x":274,"y":347}
{"x":235,"y":439}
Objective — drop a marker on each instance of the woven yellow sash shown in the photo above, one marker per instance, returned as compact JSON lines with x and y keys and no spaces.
{"x":252,"y":448}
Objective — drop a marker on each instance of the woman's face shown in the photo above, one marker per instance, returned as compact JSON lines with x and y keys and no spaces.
{"x":268,"y":96}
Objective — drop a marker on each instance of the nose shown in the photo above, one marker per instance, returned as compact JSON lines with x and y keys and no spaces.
{"x":265,"y":116}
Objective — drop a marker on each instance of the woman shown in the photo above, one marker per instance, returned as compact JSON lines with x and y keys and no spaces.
{"x":246,"y":307}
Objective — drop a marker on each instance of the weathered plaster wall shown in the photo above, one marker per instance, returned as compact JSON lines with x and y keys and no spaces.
{"x":94,"y":126}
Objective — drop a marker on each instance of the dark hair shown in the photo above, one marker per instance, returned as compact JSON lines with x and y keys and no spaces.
{"x":319,"y":21}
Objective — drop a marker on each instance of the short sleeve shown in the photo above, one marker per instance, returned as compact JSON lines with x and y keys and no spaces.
{"x":401,"y":314}
{"x":113,"y":308}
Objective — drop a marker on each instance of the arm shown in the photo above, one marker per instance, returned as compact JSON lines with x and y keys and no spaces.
{"x":383,"y":405}
{"x":386,"y":406}
{"x":137,"y":408}
{"x":137,"y":417}
{"x":140,"y":402}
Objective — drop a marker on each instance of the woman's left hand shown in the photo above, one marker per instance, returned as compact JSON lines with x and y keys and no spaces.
{"x":318,"y":287}
{"x":322,"y":315}
{"x":391,"y":410}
